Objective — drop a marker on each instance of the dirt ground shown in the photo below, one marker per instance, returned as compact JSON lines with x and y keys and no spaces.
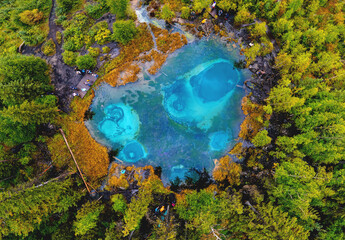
{"x":63,"y":76}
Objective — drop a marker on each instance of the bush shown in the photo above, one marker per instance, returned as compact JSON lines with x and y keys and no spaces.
{"x":48,"y":48}
{"x":94,"y":52}
{"x":261,"y":139}
{"x":86,"y":62}
{"x":58,"y":37}
{"x":185,"y":12}
{"x":65,"y":6}
{"x":69,"y":57}
{"x":119,"y":203}
{"x":166,"y":13}
{"x":199,"y":5}
{"x":105,"y":49}
{"x":33,"y":36}
{"x":96,"y":10}
{"x":243,"y":16}
{"x":31,"y":17}
{"x":118,"y":7}
{"x":60,"y":19}
{"x":103,"y":36}
{"x":124,"y":31}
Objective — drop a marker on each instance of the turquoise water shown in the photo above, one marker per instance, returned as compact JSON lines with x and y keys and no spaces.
{"x":184,"y":117}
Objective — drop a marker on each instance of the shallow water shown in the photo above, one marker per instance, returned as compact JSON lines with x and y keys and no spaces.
{"x":185,"y":116}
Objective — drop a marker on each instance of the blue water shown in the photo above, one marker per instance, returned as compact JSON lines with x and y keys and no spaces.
{"x":184,"y":117}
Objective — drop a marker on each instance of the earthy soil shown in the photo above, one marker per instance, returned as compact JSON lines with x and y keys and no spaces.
{"x":63,"y":76}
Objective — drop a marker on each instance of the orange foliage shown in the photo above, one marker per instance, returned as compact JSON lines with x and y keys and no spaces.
{"x":142,"y":176}
{"x":237,"y":150}
{"x":90,"y":155}
{"x":123,"y":69}
{"x":168,"y":42}
{"x":130,"y":74}
{"x":254,"y":120}
{"x":226,"y":169}
{"x":118,"y":182}
{"x":142,"y":43}
{"x":159,"y":60}
{"x":339,"y":18}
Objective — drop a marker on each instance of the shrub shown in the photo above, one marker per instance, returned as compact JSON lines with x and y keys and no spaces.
{"x":261,"y":139}
{"x":60,"y":19}
{"x":199,"y":5}
{"x":243,"y":16}
{"x":119,"y":203}
{"x":87,"y":218}
{"x":48,"y":48}
{"x":185,"y":12}
{"x":31,"y":17}
{"x":103,"y":36}
{"x":96,"y":10}
{"x":33,"y":36}
{"x":166,"y":13}
{"x":105,"y":49}
{"x":86,"y":62}
{"x":118,"y":7}
{"x":124,"y":31}
{"x":65,"y":6}
{"x":69,"y":57}
{"x":58,"y":37}
{"x":94,"y":52}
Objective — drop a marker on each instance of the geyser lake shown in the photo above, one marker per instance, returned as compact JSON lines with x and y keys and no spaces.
{"x":184,"y":117}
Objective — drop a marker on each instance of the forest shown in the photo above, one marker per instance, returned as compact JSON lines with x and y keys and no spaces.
{"x":284,"y":179}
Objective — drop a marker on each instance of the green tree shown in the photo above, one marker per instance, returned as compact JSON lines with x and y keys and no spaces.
{"x":69,"y":57}
{"x":227,"y":5}
{"x":199,"y":5}
{"x":124,"y":31}
{"x":31,"y":112}
{"x":87,"y":218}
{"x":49,"y":48}
{"x":298,"y":188}
{"x":118,"y":7}
{"x":94,"y":52}
{"x":261,"y":139}
{"x":119,"y":203}
{"x":86,"y":62}
{"x":269,"y":222}
{"x":258,"y":30}
{"x":31,"y":17}
{"x":185,"y":12}
{"x":24,"y":209}
{"x":12,"y":133}
{"x":103,"y":36}
{"x":136,"y":210}
{"x":65,"y":6}
{"x":166,"y":13}
{"x":17,"y":91}
{"x":282,"y":100}
{"x":243,"y":16}
{"x":18,"y":67}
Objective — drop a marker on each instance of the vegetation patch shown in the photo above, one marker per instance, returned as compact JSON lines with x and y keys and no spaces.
{"x":49,"y":48}
{"x":23,"y":21}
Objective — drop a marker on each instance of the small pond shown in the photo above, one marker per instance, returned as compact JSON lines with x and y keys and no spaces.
{"x":184,"y":117}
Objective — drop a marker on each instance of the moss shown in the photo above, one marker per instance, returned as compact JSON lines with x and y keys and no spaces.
{"x":49,"y":48}
{"x":168,"y":42}
{"x":159,"y":60}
